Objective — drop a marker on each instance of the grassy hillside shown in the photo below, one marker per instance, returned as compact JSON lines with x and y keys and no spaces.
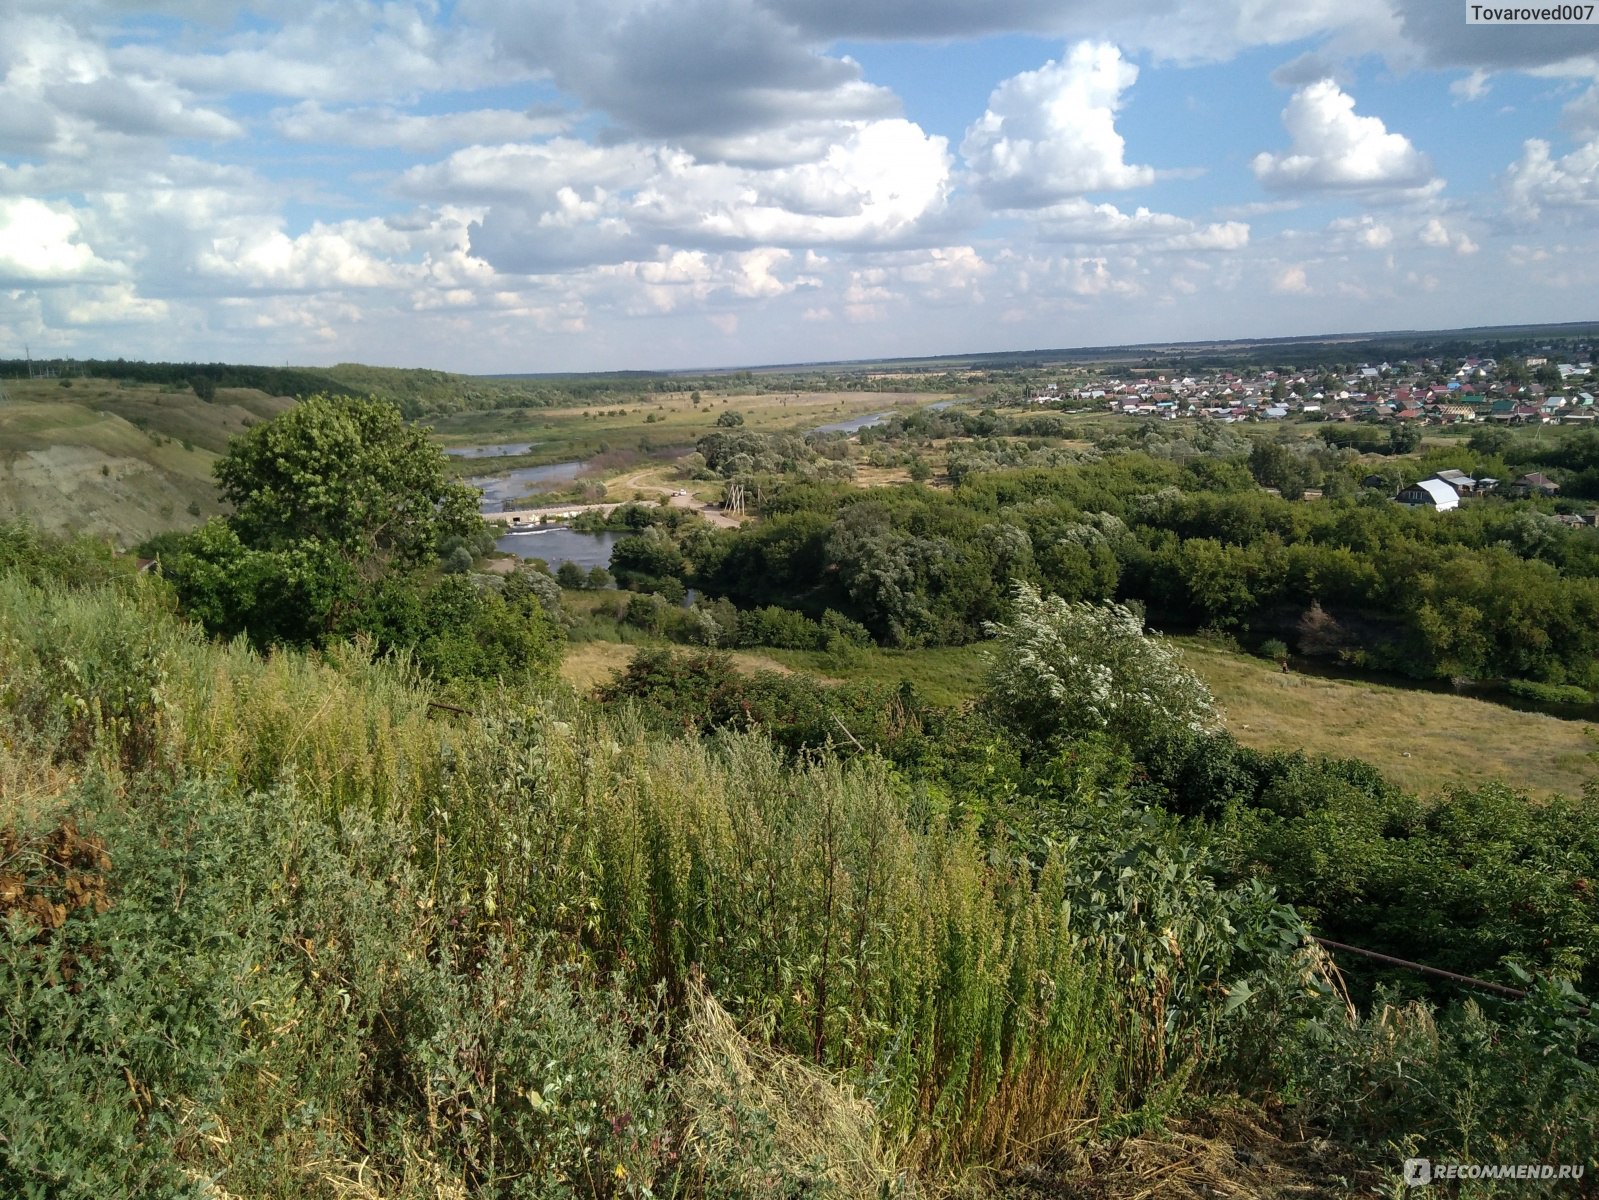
{"x":323,"y":945}
{"x":1429,"y":742}
{"x":117,"y":460}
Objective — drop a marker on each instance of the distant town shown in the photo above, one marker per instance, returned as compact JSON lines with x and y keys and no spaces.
{"x":1526,"y":391}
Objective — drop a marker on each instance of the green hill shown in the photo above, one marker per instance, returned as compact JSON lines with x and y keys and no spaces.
{"x":119,"y":460}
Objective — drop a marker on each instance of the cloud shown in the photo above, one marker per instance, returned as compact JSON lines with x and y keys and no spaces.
{"x":1080,"y":221}
{"x":383,"y":126}
{"x":1334,"y":149}
{"x":1471,"y":87}
{"x":1309,"y":67}
{"x":1539,"y":181}
{"x":684,"y":70}
{"x":354,"y":254}
{"x":562,"y":204}
{"x":118,"y":304}
{"x":1367,"y":231}
{"x":140,"y":108}
{"x":1184,"y":31}
{"x":41,"y":245}
{"x":61,"y":97}
{"x":1291,"y":281}
{"x":1051,"y":134}
{"x":1438,"y":35}
{"x":1581,"y":116}
{"x":1436,"y":235}
{"x":353,"y":50}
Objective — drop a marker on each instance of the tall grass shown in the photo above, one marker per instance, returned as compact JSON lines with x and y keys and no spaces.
{"x":470,"y":869}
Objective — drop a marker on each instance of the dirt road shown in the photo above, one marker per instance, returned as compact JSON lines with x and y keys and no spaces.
{"x":711,"y":512}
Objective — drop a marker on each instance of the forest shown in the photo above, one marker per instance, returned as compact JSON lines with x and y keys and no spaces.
{"x":1498,"y":590}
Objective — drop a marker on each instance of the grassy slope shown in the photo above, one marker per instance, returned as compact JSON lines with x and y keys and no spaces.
{"x":1425,"y":741}
{"x":116,"y":461}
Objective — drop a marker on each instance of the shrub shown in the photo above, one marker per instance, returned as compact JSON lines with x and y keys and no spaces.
{"x":1549,"y":693}
{"x":1481,"y":1080}
{"x":1061,"y":670}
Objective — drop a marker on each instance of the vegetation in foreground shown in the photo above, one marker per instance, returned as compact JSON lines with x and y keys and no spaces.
{"x":272,"y":929}
{"x":352,"y":899}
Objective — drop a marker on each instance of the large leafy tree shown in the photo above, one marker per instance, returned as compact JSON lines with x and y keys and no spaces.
{"x":339,"y":508}
{"x":349,"y":475}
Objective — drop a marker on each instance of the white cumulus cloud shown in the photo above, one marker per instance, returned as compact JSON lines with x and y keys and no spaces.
{"x":1291,"y":281}
{"x":1438,"y":236}
{"x":1540,"y":181}
{"x":1082,"y":221}
{"x":41,"y":244}
{"x":1051,"y":134}
{"x":1333,"y":148}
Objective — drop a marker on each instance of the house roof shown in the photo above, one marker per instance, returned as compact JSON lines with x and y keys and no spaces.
{"x":1442,"y":494}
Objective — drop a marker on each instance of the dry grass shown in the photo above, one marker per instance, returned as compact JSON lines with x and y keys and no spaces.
{"x":869,"y":477}
{"x":1428,"y":742}
{"x":1226,"y":1153}
{"x":820,"y":1132}
{"x":588,"y":664}
{"x":69,"y":469}
{"x":117,"y":460}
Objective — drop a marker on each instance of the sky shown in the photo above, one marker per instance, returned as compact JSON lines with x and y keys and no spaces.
{"x":574,"y":185}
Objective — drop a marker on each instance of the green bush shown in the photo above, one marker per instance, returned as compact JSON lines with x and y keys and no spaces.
{"x":1519,"y":1084}
{"x":1549,"y":693}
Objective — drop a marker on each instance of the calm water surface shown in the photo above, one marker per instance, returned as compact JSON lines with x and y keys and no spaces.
{"x":497,"y":450}
{"x":512,"y":486}
{"x":557,"y":544}
{"x":855,"y":424}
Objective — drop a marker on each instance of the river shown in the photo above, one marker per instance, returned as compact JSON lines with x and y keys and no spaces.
{"x":856,"y":424}
{"x":557,"y":544}
{"x":512,"y":486}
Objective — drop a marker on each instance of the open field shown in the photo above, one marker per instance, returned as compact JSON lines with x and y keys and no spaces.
{"x":562,"y":434}
{"x":588,"y":664}
{"x":1428,"y":742}
{"x":1425,"y":741}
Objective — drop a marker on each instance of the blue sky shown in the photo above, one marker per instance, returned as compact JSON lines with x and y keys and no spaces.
{"x":509,"y":185}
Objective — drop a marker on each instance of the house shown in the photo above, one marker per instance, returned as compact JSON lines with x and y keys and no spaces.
{"x":1429,"y":493}
{"x":1526,"y":485}
{"x":1463,"y":484}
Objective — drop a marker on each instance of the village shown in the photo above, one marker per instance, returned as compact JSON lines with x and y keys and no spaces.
{"x":1532,"y":391}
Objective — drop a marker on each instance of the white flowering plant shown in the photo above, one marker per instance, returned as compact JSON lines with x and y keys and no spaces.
{"x":1060,"y":670}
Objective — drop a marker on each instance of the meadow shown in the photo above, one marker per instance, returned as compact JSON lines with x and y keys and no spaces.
{"x":325,"y":939}
{"x":663,"y":420}
{"x":1428,"y":742}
